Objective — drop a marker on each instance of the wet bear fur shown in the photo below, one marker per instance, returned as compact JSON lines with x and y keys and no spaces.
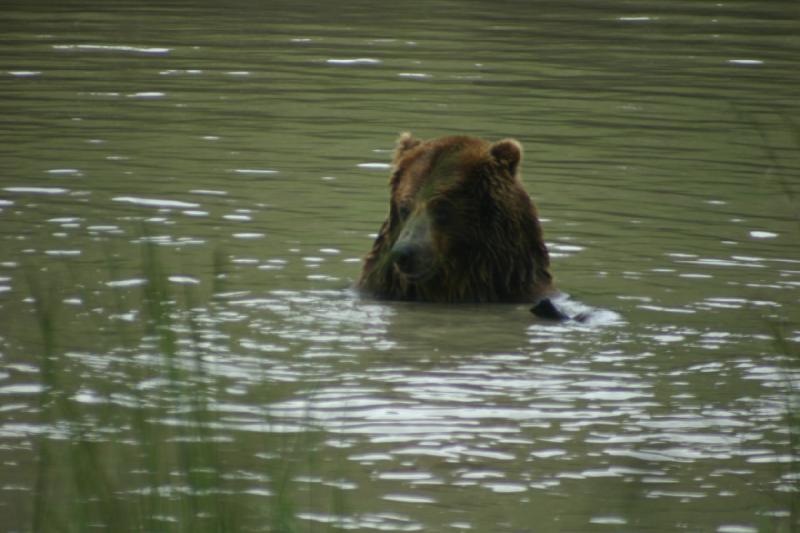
{"x":460,"y":228}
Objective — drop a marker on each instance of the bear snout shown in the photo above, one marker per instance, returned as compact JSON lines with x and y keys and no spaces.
{"x":403,"y":257}
{"x":412,"y":260}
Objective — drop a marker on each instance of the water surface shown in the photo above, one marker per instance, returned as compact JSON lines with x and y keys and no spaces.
{"x":661,"y":146}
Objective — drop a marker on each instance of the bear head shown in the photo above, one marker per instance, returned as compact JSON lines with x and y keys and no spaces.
{"x":460,"y":228}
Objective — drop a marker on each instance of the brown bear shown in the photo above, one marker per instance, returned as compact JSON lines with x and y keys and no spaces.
{"x":461,"y":228}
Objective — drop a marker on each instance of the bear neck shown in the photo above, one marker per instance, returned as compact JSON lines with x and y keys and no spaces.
{"x":491,"y":276}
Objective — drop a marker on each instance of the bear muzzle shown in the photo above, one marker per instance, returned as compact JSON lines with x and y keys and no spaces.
{"x":412,"y":254}
{"x":413,"y":262}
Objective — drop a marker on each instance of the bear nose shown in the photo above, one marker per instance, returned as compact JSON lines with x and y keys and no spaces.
{"x":403,"y":257}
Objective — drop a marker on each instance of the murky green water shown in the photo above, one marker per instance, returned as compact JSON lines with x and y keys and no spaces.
{"x":662,"y":146}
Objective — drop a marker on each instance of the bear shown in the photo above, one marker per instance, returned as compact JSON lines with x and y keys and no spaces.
{"x":460,"y":229}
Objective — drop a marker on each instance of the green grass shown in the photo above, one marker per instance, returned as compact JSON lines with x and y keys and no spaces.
{"x":169,"y":467}
{"x":792,"y":376}
{"x":781,"y":328}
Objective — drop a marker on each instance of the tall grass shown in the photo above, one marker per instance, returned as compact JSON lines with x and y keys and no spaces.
{"x":169,"y":472}
{"x":784,"y":346}
{"x":781,"y":327}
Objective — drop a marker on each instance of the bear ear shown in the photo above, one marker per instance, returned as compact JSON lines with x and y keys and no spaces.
{"x":508,"y":153}
{"x":405,"y":142}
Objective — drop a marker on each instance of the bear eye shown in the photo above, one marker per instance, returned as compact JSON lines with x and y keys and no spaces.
{"x":403,"y":211}
{"x":441,"y":214}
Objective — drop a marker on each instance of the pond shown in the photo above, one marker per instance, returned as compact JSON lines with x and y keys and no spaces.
{"x":187,"y":192}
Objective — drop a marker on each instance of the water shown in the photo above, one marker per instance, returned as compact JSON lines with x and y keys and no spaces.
{"x":661,"y":146}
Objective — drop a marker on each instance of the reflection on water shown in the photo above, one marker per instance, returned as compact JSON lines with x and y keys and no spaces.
{"x":251,"y":145}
